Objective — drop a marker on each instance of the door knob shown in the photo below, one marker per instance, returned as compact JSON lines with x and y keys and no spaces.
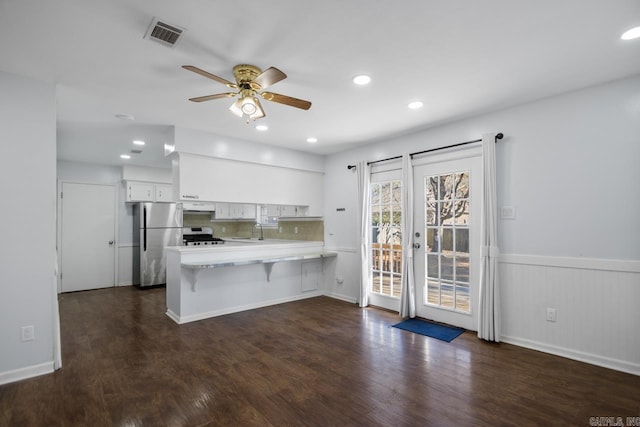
{"x":416,"y":245}
{"x":111,"y":242}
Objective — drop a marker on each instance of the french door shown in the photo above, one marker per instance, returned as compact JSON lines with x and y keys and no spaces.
{"x":446,"y":234}
{"x":386,"y":233}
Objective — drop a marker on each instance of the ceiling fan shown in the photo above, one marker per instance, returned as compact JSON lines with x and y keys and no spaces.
{"x":250,"y":82}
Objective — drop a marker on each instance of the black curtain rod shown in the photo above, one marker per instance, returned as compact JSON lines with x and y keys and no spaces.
{"x":498,"y":136}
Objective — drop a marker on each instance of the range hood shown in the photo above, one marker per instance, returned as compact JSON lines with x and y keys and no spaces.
{"x":198,"y":207}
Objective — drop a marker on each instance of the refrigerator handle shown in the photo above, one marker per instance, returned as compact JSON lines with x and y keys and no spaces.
{"x":144,"y":228}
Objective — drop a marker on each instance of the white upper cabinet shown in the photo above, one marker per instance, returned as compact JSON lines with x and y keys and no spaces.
{"x":280,"y":211}
{"x":148,"y":192}
{"x":140,"y":192}
{"x":288,"y":210}
{"x":235,"y":211}
{"x":164,"y":192}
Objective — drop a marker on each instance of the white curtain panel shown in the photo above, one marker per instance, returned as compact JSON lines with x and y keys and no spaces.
{"x":363,"y":171}
{"x":408,"y":295}
{"x":489,"y":304}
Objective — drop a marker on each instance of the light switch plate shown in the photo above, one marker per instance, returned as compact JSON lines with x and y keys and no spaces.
{"x":508,"y":212}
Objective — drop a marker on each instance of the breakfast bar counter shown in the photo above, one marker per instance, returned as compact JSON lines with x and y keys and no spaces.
{"x":242,"y":274}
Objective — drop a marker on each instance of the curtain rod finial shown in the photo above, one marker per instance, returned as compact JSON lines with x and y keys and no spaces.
{"x":499,"y":135}
{"x":351,"y":167}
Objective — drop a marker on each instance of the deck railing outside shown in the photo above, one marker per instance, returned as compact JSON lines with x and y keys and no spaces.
{"x":387,"y":269}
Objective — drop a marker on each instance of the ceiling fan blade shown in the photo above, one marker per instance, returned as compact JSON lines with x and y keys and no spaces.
{"x":269,"y":77}
{"x":209,"y":75}
{"x":286,"y":100}
{"x":259,"y":111}
{"x":215,"y":96}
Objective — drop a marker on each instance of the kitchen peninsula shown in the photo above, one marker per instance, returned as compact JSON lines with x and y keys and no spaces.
{"x":242,"y":274}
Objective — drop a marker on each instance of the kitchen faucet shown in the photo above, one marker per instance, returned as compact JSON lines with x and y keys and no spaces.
{"x":261,"y":232}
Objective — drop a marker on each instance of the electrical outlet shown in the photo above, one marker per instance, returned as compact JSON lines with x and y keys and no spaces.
{"x":27,"y":333}
{"x":551,"y":314}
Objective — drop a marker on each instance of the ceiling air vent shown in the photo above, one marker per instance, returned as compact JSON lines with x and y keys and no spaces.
{"x":163,"y":33}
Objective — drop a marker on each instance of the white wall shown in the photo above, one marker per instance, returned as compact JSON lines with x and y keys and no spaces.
{"x":145,"y":173}
{"x":208,"y":144}
{"x":28,"y":176}
{"x":570,"y":166}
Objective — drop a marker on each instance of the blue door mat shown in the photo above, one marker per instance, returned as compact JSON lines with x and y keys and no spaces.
{"x":430,"y":329}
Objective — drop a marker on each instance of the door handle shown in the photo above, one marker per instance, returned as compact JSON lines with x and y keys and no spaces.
{"x":111,"y":242}
{"x":416,"y":245}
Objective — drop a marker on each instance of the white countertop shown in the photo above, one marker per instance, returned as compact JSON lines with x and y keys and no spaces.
{"x":258,"y":260}
{"x":238,"y":246}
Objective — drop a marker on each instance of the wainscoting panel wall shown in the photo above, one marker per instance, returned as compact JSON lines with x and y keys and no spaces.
{"x":595,"y":302}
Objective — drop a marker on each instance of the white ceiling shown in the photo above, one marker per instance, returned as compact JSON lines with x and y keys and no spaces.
{"x":460,"y":58}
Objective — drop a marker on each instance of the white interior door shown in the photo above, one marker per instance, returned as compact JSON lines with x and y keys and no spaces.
{"x":446,"y":217}
{"x":87,"y":235}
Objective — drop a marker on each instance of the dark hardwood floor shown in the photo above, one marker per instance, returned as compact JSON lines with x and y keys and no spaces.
{"x":314,"y":362}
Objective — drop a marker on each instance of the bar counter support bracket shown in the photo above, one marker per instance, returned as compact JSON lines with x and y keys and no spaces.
{"x":268,"y":266}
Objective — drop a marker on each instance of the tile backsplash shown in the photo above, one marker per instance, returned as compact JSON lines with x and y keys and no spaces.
{"x":290,"y":229}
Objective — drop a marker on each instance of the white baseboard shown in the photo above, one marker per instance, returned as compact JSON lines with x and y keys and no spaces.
{"x":341,"y":297}
{"x":26,"y":372}
{"x":593,"y":359}
{"x":208,"y":314}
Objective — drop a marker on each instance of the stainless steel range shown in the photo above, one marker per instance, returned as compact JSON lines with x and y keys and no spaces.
{"x":199,"y":236}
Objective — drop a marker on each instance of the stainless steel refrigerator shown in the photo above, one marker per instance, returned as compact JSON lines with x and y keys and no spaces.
{"x":155,"y":226}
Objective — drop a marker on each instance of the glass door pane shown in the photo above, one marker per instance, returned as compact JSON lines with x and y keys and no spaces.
{"x":447,"y":230}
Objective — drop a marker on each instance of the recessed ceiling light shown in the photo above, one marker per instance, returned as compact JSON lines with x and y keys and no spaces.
{"x":312,"y":140}
{"x":125,"y":156}
{"x":362,"y":80}
{"x":633,"y":33}
{"x":262,"y":128}
{"x":125,"y":117}
{"x":138,"y":142}
{"x":415,"y":105}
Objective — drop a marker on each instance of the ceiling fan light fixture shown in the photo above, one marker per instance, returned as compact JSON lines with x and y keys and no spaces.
{"x":236,"y":108}
{"x":248,"y":105}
